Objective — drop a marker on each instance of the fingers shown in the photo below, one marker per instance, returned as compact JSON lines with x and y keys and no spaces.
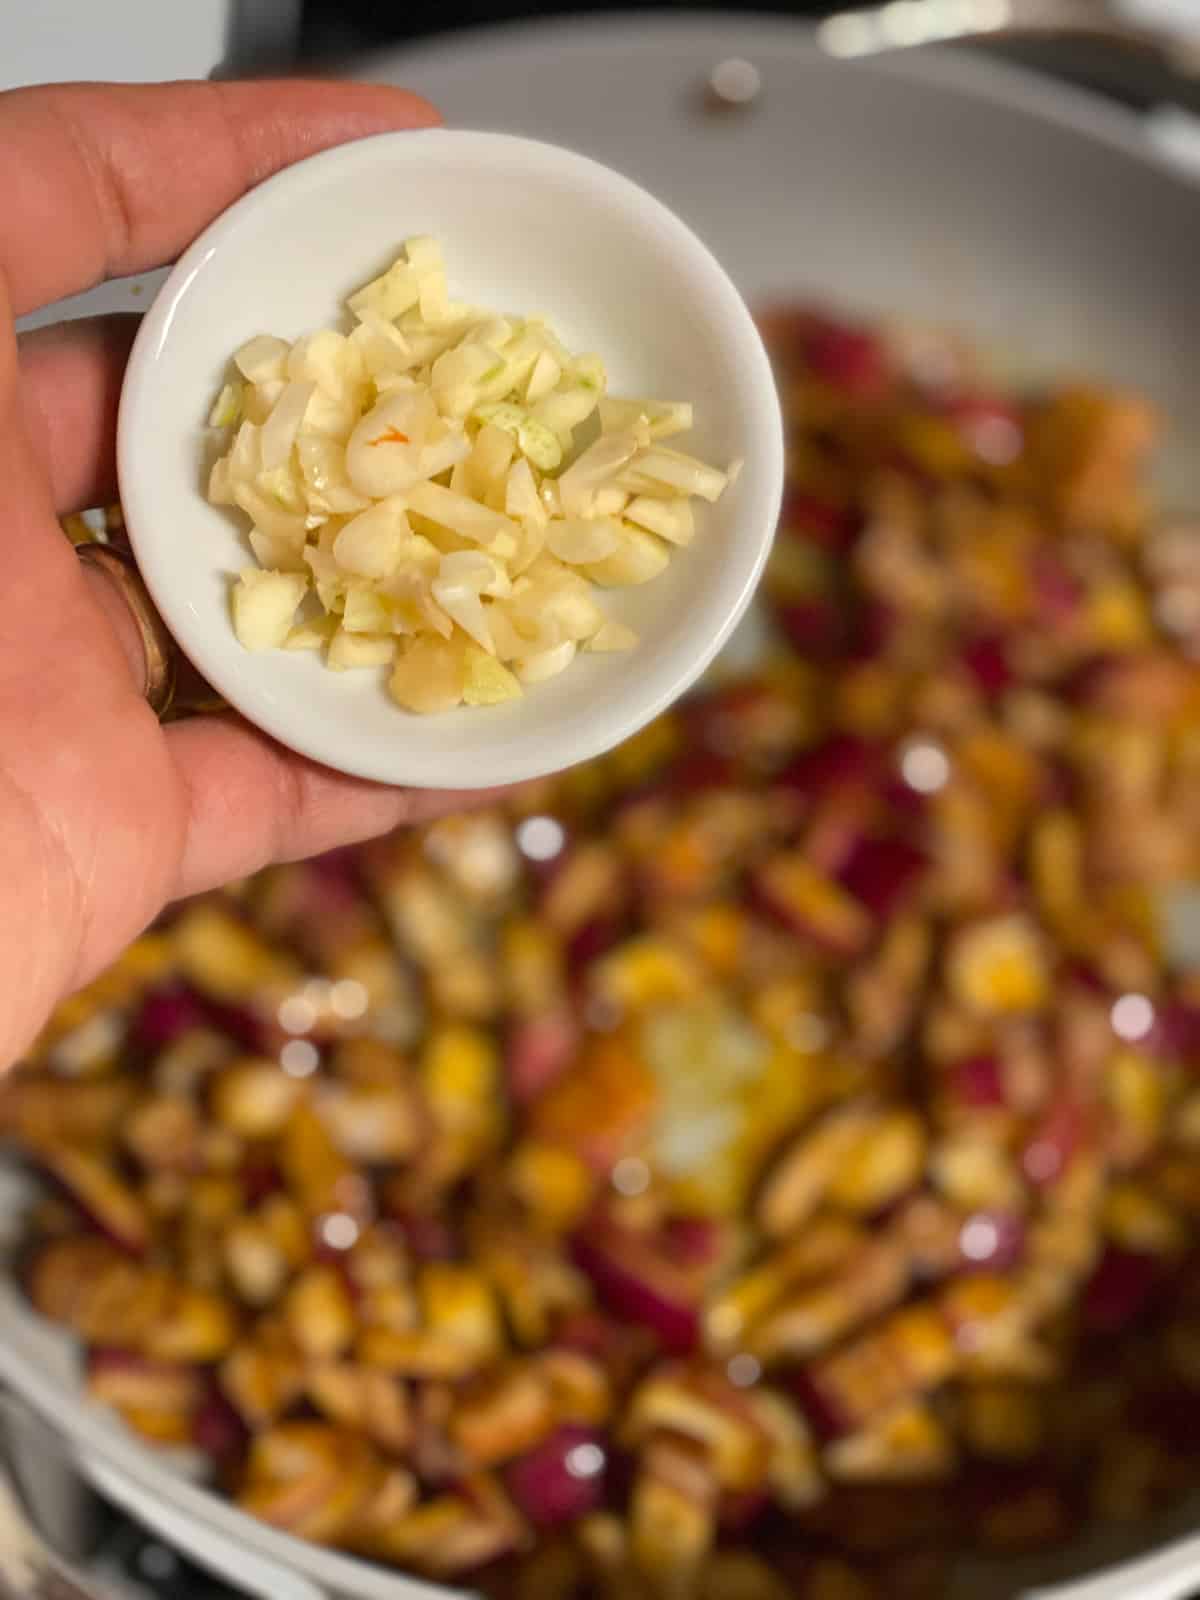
{"x":114,"y":179}
{"x":28,"y":512}
{"x":111,"y":599}
{"x":102,"y":180}
{"x":70,"y":377}
{"x":253,"y":802}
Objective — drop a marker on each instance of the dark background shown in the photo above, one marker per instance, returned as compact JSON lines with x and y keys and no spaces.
{"x":335,"y":25}
{"x":335,"y":30}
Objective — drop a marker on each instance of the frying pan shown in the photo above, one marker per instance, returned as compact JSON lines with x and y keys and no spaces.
{"x":1057,"y":230}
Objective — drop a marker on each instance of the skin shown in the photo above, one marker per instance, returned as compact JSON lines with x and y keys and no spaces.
{"x":105,"y":816}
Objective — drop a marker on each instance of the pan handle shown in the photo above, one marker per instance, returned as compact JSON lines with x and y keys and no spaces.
{"x":1161,"y":26}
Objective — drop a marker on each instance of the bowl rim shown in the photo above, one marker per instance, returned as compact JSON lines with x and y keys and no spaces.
{"x":335,"y":744}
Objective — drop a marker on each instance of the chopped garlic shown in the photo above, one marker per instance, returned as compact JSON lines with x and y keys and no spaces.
{"x":487,"y":681}
{"x":349,"y":650}
{"x":317,"y":633}
{"x":264,"y":607}
{"x":419,"y":498}
{"x":638,"y":558}
{"x":227,"y":408}
{"x":613,"y":636}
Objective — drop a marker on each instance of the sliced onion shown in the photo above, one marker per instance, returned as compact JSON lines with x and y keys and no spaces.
{"x":538,"y":1051}
{"x":879,"y":872}
{"x":978,"y":1081}
{"x":105,"y":1200}
{"x":1120,"y":1289}
{"x":217,"y":1429}
{"x":166,"y":1014}
{"x":640,"y":1285}
{"x":562,"y":1480}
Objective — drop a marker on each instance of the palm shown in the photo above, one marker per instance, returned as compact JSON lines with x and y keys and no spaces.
{"x":104,"y":814}
{"x":105,"y":809}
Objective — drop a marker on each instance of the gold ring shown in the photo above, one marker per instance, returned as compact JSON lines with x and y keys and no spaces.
{"x":158,"y":648}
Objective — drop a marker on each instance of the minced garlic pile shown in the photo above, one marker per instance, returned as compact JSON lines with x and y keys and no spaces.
{"x":443,"y":490}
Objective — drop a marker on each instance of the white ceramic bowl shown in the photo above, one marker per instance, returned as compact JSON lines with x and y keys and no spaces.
{"x":525,"y":227}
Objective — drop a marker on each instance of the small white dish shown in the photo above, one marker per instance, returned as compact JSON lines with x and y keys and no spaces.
{"x":526,"y":227}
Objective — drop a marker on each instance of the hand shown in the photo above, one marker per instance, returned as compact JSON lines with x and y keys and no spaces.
{"x":105,"y":816}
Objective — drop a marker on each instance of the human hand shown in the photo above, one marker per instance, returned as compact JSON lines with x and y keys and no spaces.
{"x":105,"y":816}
